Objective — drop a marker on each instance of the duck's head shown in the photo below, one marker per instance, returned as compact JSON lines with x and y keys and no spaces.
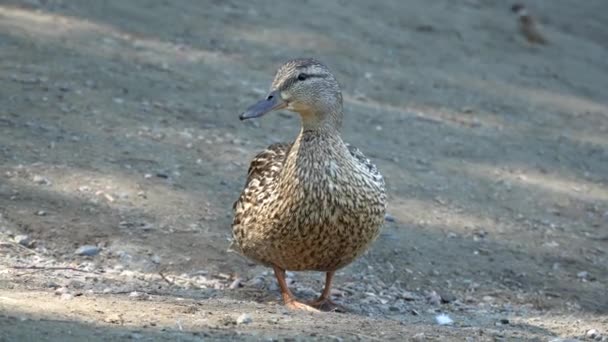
{"x":304,"y":86}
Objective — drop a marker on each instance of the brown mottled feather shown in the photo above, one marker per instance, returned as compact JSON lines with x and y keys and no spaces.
{"x":264,"y":168}
{"x":309,"y":234}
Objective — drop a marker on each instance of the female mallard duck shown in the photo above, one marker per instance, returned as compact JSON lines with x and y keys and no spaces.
{"x":315,"y":204}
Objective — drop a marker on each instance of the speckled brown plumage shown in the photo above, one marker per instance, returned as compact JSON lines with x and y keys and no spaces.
{"x":314,"y":204}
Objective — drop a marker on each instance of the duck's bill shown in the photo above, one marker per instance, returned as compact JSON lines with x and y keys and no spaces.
{"x":271,"y":103}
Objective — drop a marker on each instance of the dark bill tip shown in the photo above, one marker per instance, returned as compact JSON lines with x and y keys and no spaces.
{"x":272,"y":102}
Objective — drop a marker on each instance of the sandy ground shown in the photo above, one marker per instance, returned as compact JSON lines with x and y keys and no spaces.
{"x":119,"y":130}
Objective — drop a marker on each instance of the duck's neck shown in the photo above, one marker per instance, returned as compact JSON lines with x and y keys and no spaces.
{"x":314,"y":147}
{"x":322,"y":121}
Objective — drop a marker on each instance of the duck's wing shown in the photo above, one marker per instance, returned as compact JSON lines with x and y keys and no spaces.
{"x":367,"y":165}
{"x":263,"y":173}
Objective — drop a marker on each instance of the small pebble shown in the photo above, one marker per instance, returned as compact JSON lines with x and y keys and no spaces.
{"x":67,"y":296}
{"x":257,"y":282}
{"x":87,"y":250}
{"x":582,"y":275}
{"x":389,"y":218}
{"x":337,"y":293}
{"x":444,"y":319}
{"x":61,"y":291}
{"x":41,"y":180}
{"x":238,"y":282}
{"x":407,"y":295}
{"x":447,"y":297}
{"x":244,"y":319}
{"x":592,"y":333}
{"x":433,"y":298}
{"x":114,"y":319}
{"x":23,"y":240}
{"x":419,"y":337}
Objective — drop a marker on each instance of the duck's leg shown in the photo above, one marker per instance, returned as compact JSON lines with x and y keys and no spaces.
{"x":324,"y":302}
{"x":288,"y":297}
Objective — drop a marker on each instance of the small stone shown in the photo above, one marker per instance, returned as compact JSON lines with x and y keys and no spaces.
{"x":114,"y":319}
{"x":583,"y":275}
{"x":41,"y":180}
{"x":551,"y":244}
{"x":419,"y":337}
{"x":444,"y":319}
{"x":84,"y":188}
{"x":337,"y":293}
{"x":488,"y":299}
{"x":238,"y":282}
{"x":593,"y":334}
{"x":504,"y":321}
{"x":227,"y":321}
{"x":67,"y":296}
{"x":61,"y":291}
{"x":389,"y":218}
{"x":137,"y":336}
{"x":75,"y":284}
{"x":408,"y":296}
{"x":433,"y":298}
{"x":447,"y":297}
{"x":87,"y":250}
{"x":155,"y":259}
{"x":244,"y":319}
{"x":23,"y":240}
{"x":51,"y":284}
{"x":257,"y":282}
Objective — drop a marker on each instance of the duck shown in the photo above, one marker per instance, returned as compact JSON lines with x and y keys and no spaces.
{"x":313,"y":204}
{"x":527,"y":25}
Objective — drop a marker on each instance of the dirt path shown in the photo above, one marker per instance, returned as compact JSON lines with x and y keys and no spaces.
{"x":119,"y":130}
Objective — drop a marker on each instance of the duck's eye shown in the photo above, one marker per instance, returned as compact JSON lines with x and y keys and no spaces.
{"x":302,"y":77}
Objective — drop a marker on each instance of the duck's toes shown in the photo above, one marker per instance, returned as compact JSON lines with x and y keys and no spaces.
{"x":299,"y":306}
{"x":327,"y":305}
